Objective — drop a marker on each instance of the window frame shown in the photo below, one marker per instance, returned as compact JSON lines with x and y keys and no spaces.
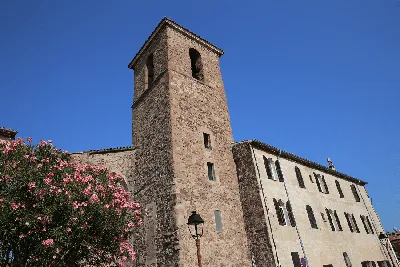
{"x":207,"y":140}
{"x":218,"y":221}
{"x":213,"y":176}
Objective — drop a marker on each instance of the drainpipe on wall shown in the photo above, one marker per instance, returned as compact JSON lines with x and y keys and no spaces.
{"x":297,"y":228}
{"x":387,"y":255}
{"x":266,"y":206}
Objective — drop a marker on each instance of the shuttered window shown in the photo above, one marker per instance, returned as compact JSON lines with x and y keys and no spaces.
{"x":270,"y":168}
{"x":355,"y":226}
{"x":347,"y":259}
{"x":339,"y":189}
{"x":279,"y":212}
{"x":337,"y":221}
{"x":369,"y":224}
{"x":299,"y":177}
{"x":317,"y":181}
{"x":284,"y":213}
{"x":321,"y":183}
{"x":334,"y":220}
{"x":296,"y":259}
{"x":279,"y":170}
{"x":348,"y":219}
{"x":355,"y":193}
{"x":384,"y":264}
{"x":311,"y":217}
{"x":364,"y":224}
{"x":290,"y":214}
{"x":330,"y":219}
{"x":325,"y":186}
{"x":368,"y":264}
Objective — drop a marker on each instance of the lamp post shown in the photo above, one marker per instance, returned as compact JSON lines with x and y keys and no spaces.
{"x":196,"y":223}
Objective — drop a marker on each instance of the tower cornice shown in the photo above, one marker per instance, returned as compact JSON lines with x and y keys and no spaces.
{"x":170,"y":23}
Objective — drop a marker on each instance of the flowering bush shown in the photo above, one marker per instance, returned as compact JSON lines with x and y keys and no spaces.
{"x":55,"y":212}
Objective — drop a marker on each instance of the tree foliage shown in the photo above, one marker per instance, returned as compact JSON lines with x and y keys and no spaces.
{"x":57,"y":212}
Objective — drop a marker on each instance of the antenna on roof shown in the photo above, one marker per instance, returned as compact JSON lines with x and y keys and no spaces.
{"x":331,"y":166}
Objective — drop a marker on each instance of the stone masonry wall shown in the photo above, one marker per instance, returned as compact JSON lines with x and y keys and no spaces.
{"x":253,"y":208}
{"x":153,"y":172}
{"x":121,"y":162}
{"x":199,"y":107}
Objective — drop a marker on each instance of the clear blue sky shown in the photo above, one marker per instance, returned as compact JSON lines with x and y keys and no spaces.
{"x":317,"y":78}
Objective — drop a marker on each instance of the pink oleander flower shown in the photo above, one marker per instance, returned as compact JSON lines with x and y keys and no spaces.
{"x":29,"y":139}
{"x":32,"y":185}
{"x":48,"y":242}
{"x":94,"y":199}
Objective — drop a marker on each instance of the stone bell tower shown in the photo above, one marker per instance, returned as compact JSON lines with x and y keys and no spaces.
{"x":183,"y":160}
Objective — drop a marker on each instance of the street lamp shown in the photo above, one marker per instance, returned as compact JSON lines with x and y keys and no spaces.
{"x":195,"y":224}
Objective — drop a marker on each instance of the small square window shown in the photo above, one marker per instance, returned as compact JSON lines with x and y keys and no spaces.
{"x":218,"y":221}
{"x":207,"y":140}
{"x":211,"y":171}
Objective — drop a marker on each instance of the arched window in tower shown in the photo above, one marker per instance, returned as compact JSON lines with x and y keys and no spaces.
{"x":196,"y":64}
{"x":150,"y":70}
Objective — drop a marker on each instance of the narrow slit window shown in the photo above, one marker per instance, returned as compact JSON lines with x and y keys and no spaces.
{"x":196,"y":64}
{"x":339,"y":189}
{"x":207,"y":140}
{"x":150,"y":70}
{"x":355,"y":193}
{"x":299,"y":177}
{"x":211,"y":171}
{"x":218,"y":221}
{"x":311,"y":217}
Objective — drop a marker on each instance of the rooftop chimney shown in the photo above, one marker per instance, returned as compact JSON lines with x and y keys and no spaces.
{"x":331,"y":166}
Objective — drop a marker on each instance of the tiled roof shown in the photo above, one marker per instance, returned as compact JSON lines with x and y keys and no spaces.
{"x":173,"y":24}
{"x":303,"y":161}
{"x":108,"y":150}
